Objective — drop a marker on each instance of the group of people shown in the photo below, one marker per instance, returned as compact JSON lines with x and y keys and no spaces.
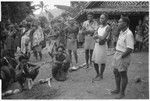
{"x":94,"y":35}
{"x":141,"y":35}
{"x":25,"y":37}
{"x":19,"y":41}
{"x":95,"y":45}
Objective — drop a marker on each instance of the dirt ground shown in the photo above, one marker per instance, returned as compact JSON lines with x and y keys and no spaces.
{"x":79,"y":84}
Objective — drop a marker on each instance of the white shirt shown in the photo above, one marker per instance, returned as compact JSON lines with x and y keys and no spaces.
{"x":101,"y":31}
{"x":90,"y":26}
{"x":125,"y":40}
{"x":38,"y":36}
{"x":25,"y":40}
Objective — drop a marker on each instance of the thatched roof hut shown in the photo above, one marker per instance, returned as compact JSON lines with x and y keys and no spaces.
{"x":135,"y":10}
{"x":114,"y":8}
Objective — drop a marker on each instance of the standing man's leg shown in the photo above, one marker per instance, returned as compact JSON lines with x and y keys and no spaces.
{"x":75,"y":55}
{"x":102,"y":70}
{"x":87,"y":57}
{"x":40,"y":54}
{"x":117,"y":81}
{"x":140,"y":46}
{"x":35,"y":53}
{"x":70,"y":54}
{"x":124,"y":83}
{"x":40,"y":51}
{"x":91,"y":53}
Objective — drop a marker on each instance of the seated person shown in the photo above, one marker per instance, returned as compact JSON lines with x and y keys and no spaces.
{"x":25,"y":71}
{"x":61,"y":64}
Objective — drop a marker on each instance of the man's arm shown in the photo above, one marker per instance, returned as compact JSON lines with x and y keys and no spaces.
{"x":127,"y":52}
{"x":31,"y":65}
{"x":130,"y":45}
{"x":67,"y":58}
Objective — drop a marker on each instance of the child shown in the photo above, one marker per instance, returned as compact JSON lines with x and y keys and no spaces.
{"x":24,"y":71}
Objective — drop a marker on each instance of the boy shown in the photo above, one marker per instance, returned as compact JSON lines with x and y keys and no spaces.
{"x":25,"y":72}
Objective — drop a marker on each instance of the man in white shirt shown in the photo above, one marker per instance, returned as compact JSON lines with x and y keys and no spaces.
{"x":122,"y":57}
{"x":89,"y":28}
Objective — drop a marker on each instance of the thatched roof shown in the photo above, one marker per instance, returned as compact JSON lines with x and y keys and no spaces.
{"x":115,"y":7}
{"x":119,"y":6}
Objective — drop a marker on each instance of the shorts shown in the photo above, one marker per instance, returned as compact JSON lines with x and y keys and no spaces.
{"x":71,"y":44}
{"x":139,"y":38}
{"x":119,"y":63}
{"x":89,"y":43}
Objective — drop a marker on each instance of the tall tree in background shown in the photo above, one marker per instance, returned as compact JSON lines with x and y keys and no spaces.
{"x":44,"y":10}
{"x":41,"y":6}
{"x":16,"y":11}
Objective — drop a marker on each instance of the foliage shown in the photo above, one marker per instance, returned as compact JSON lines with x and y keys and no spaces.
{"x":43,"y":21}
{"x":16,"y":11}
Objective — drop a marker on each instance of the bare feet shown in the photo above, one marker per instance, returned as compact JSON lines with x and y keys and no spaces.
{"x":115,"y":92}
{"x":120,"y":96}
{"x":97,"y":78}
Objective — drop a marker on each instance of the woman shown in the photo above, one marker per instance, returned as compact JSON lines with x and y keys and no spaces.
{"x":25,"y":41}
{"x":61,"y":64}
{"x":38,"y":37}
{"x":99,"y":53}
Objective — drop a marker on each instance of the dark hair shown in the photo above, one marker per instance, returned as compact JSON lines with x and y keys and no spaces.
{"x":106,"y":15}
{"x":23,"y":57}
{"x":89,"y":13}
{"x":126,"y":19}
{"x":28,"y":25}
{"x":60,"y":47}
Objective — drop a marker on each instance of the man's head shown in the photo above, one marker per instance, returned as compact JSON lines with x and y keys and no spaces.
{"x":23,"y":59}
{"x":140,"y":22}
{"x":123,"y":22}
{"x":103,"y":18}
{"x":60,"y":49}
{"x":28,"y":25}
{"x":11,"y":29}
{"x":90,"y":16}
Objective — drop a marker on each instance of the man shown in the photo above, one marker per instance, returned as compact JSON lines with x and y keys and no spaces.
{"x":17,"y":37}
{"x":9,"y":43}
{"x":139,"y":35}
{"x":72,"y":31}
{"x":122,"y":57}
{"x":89,"y":28}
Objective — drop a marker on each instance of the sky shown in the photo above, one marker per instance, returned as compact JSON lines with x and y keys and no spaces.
{"x":51,"y":3}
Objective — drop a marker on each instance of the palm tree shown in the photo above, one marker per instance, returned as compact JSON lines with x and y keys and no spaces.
{"x":44,"y":8}
{"x":41,"y":6}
